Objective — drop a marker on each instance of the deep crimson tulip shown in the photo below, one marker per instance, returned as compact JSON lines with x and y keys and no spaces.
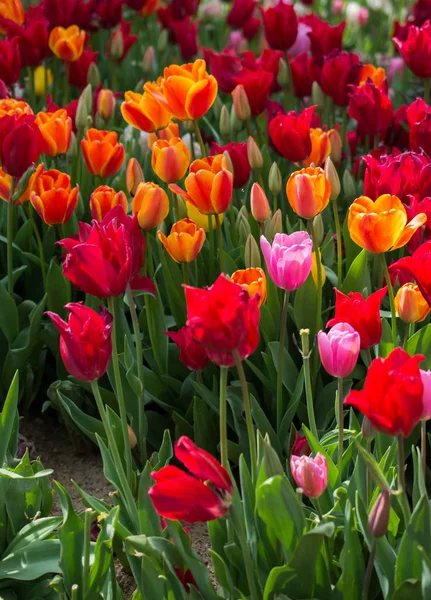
{"x":223,"y":318}
{"x":290,"y":134}
{"x":251,"y":27}
{"x":72,"y":12}
{"x":31,"y":37}
{"x":85,"y":340}
{"x":419,"y":121}
{"x":77,"y":70}
{"x":184,"y":8}
{"x":240,"y":12}
{"x":204,"y":495}
{"x":416,"y":266}
{"x":192,"y":353}
{"x":303,"y":70}
{"x":392,"y":393}
{"x":421,"y":12}
{"x":300,"y":446}
{"x":10,"y":61}
{"x":186,"y":36}
{"x":128,"y":40}
{"x":4,"y":92}
{"x":225,"y":66}
{"x":268,"y":61}
{"x":135,"y":4}
{"x":340,"y":70}
{"x":371,"y":108}
{"x":324,"y":37}
{"x":109,"y":12}
{"x":363,"y":315}
{"x":280,"y":25}
{"x":257,"y":85}
{"x":20,"y":143}
{"x":416,"y":49}
{"x":103,"y":259}
{"x":424,"y":233}
{"x":238,"y":155}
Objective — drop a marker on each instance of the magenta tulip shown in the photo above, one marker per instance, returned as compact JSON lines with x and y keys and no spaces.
{"x":289,"y":259}
{"x":426,"y":398}
{"x":339,"y":349}
{"x":310,"y":474}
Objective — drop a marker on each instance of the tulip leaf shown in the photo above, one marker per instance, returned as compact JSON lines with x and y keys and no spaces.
{"x":420,"y":343}
{"x":58,"y":288}
{"x":88,"y":425}
{"x":351,"y":559}
{"x":222,"y":573}
{"x":71,"y":536}
{"x":34,"y":531}
{"x":407,"y":591}
{"x":9,"y":323}
{"x":357,"y":278}
{"x":305,"y":306}
{"x":40,"y":558}
{"x":8,"y":416}
{"x":103,"y":553}
{"x":290,"y":371}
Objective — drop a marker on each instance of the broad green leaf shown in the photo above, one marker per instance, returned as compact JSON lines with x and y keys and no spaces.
{"x":33,"y":532}
{"x":420,"y":343}
{"x":351,"y":559}
{"x":88,"y":425}
{"x":9,"y":323}
{"x":103,"y":556}
{"x":33,"y":561}
{"x":357,"y":278}
{"x":8,"y":416}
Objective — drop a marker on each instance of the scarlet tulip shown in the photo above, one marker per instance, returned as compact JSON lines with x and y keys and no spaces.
{"x":53,"y":197}
{"x":280,"y":25}
{"x":170,"y":159}
{"x":308,"y":192}
{"x":253,"y":280}
{"x":192,"y":353}
{"x":144,"y":111}
{"x":184,"y":242}
{"x":20,"y":143}
{"x":419,"y":122}
{"x":103,"y":199}
{"x":416,"y":266}
{"x":150,"y":205}
{"x":10,"y":61}
{"x":103,"y":155}
{"x":392,"y":393}
{"x":372,"y":108}
{"x":225,"y":66}
{"x":67,"y":44}
{"x":85,"y":340}
{"x":410,"y":305}
{"x":416,"y":49}
{"x":238,"y":155}
{"x":240,"y":12}
{"x":56,"y":130}
{"x":339,"y":71}
{"x":290,"y":134}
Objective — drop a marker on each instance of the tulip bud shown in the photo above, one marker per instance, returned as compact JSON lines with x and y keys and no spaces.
{"x":93,"y":76}
{"x":317,"y":95}
{"x":332,"y":177}
{"x":349,"y":186}
{"x":150,"y":205}
{"x":42,"y":80}
{"x":229,"y":162}
{"x":318,"y":228}
{"x":134,"y":176}
{"x":310,"y":474}
{"x":252,"y":253}
{"x":254,"y":155}
{"x":283,"y":73}
{"x":336,"y":146}
{"x":276,"y":224}
{"x":367,"y":429}
{"x":188,"y":126}
{"x":274,"y":179}
{"x":81,"y":118}
{"x":23,"y":183}
{"x":259,"y":204}
{"x":139,"y":86}
{"x":235,"y":123}
{"x":116,"y":49}
{"x":72,"y":151}
{"x":225,"y":122}
{"x":148,"y":60}
{"x":106,"y":104}
{"x":132,"y":437}
{"x":87,"y":95}
{"x":378,"y":519}
{"x":241,"y":104}
{"x":410,"y":304}
{"x":162,"y":42}
{"x":217,"y":106}
{"x":242,"y":224}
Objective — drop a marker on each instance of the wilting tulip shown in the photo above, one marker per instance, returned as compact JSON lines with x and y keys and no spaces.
{"x":67,"y":44}
{"x":320,"y":147}
{"x":170,"y":159}
{"x":339,"y":349}
{"x":106,"y":104}
{"x":259,"y":204}
{"x":204,"y":495}
{"x":410,"y":305}
{"x":103,"y":199}
{"x":308,"y":192}
{"x":192,"y":354}
{"x":253,"y":280}
{"x":184,"y":242}
{"x":290,"y":134}
{"x":144,"y":111}
{"x":103,"y":155}
{"x":53,"y":197}
{"x":289,"y":259}
{"x":56,"y":130}
{"x":310,"y":474}
{"x":85,"y":340}
{"x":20,"y":143}
{"x":150,"y":205}
{"x":134,"y":176}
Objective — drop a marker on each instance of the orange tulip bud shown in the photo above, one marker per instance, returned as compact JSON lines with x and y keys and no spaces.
{"x":320,"y":147}
{"x":252,"y":280}
{"x":170,"y":131}
{"x":336,"y":146}
{"x":67,"y":44}
{"x":106,"y":104}
{"x":103,"y":199}
{"x":308,"y":192}
{"x":241,"y":104}
{"x":6,"y":183}
{"x":209,"y":185}
{"x":144,"y":111}
{"x":53,"y":197}
{"x":202,"y":220}
{"x":259,"y":204}
{"x":12,"y":10}
{"x":184,"y":242}
{"x":170,"y":160}
{"x":189,"y":90}
{"x":103,"y":155}
{"x":10,"y":106}
{"x":150,"y":205}
{"x":134,"y":176}
{"x":381,"y":225}
{"x":56,"y":130}
{"x":376,"y":74}
{"x":410,"y":305}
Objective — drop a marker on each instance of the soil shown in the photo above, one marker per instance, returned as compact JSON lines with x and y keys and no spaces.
{"x":73,"y":458}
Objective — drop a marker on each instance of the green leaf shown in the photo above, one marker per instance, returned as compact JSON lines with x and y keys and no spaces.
{"x":351,"y":559}
{"x":408,"y":590}
{"x":7,"y":417}
{"x":420,"y":343}
{"x":88,"y":425}
{"x":305,"y":306}
{"x":33,"y":532}
{"x":58,"y":288}
{"x":9,"y":323}
{"x":103,"y":556}
{"x":33,"y":561}
{"x":357,"y":278}
{"x":290,"y":372}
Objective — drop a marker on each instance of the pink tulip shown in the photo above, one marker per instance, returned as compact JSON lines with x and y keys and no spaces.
{"x":339,"y":349}
{"x":426,"y":398}
{"x":310,"y":474}
{"x":289,"y":259}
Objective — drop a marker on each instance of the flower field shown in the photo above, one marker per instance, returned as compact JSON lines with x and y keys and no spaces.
{"x":215,"y":256}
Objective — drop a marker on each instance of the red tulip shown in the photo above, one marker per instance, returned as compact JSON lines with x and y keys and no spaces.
{"x":419,"y":122}
{"x":186,"y":36}
{"x":363,"y":315}
{"x":77,"y":70}
{"x":324,"y":37}
{"x":416,"y":266}
{"x":192,"y":353}
{"x":20,"y":143}
{"x":103,"y":259}
{"x":290,"y":134}
{"x":251,"y":27}
{"x":392,"y":393}
{"x":127,"y":40}
{"x":416,"y":49}
{"x":240,"y":12}
{"x":238,"y":155}
{"x":257,"y":85}
{"x":31,"y":37}
{"x":268,"y":61}
{"x":280,"y":24}
{"x":372,"y":108}
{"x":424,"y":233}
{"x":64,"y":14}
{"x":300,"y":446}
{"x":303,"y":70}
{"x":340,"y":70}
{"x":225,"y":66}
{"x":10,"y":61}
{"x":204,"y":495}
{"x":109,"y":12}
{"x":223,"y":318}
{"x":85,"y":340}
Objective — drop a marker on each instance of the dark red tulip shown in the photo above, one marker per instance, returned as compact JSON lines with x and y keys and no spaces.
{"x":225,"y":66}
{"x":251,"y":27}
{"x":303,"y":70}
{"x":192,"y":353}
{"x":257,"y":85}
{"x":240,"y":12}
{"x":109,"y":12}
{"x":300,"y":446}
{"x":77,"y":70}
{"x":280,"y":24}
{"x":268,"y":61}
{"x":61,"y":13}
{"x":238,"y":155}
{"x":416,"y":266}
{"x":421,"y":12}
{"x":135,"y":4}
{"x":371,"y":108}
{"x":324,"y":37}
{"x":416,"y":49}
{"x":290,"y":134}
{"x":10,"y":61}
{"x":424,"y":233}
{"x":31,"y":37}
{"x":419,"y":121}
{"x":20,"y":143}
{"x":128,"y":40}
{"x":186,"y":36}
{"x":4,"y":92}
{"x":339,"y":72}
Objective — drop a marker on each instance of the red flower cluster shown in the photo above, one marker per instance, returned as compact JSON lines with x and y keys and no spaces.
{"x":372,"y":108}
{"x":416,"y":49}
{"x":177,"y":17}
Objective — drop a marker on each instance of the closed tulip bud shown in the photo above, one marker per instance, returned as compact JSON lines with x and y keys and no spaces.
{"x":229,"y":162}
{"x":259,"y":204}
{"x":116,"y":48}
{"x":252,"y":253}
{"x":332,"y":177}
{"x":319,"y":228}
{"x":106,"y":104}
{"x":93,"y":76}
{"x":148,"y":60}
{"x":310,"y":474}
{"x":242,"y":224}
{"x":134,"y":176}
{"x":150,"y":205}
{"x":87,"y":95}
{"x":132,"y":437}
{"x":410,"y":305}
{"x":283,"y":73}
{"x":170,"y":159}
{"x":336,"y":146}
{"x":81,"y":115}
{"x":162,"y":41}
{"x":274,"y":179}
{"x":276,"y":224}
{"x":73,"y":147}
{"x":235,"y":123}
{"x":217,"y":106}
{"x":349,"y":186}
{"x":241,"y":104}
{"x":308,"y":192}
{"x":378,"y":519}
{"x":254,"y":155}
{"x":317,"y":95}
{"x":253,"y":280}
{"x":367,"y":429}
{"x":225,"y":122}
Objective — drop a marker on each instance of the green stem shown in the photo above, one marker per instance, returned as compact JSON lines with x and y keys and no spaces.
{"x":233,"y":231}
{"x":369,"y":571}
{"x":199,"y":138}
{"x":391,"y":300}
{"x":248,"y":416}
{"x":319,"y":275}
{"x":339,"y":243}
{"x":186,"y":273}
{"x":409,"y":331}
{"x":223,"y":417}
{"x":39,"y":245}
{"x":283,"y":326}
{"x":142,"y":423}
{"x":424,"y":447}
{"x":305,"y":341}
{"x":174,"y":203}
{"x":402,"y":496}
{"x":74,"y":592}
{"x":212,"y":248}
{"x":119,"y":391}
{"x":246,"y":554}
{"x":340,"y":427}
{"x":427,"y":90}
{"x":220,"y":242}
{"x":274,"y":202}
{"x":86,"y":551}
{"x":326,"y":541}
{"x":10,"y":224}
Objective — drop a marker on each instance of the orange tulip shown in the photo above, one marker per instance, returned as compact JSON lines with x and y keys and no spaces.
{"x":134,"y":176}
{"x":103,"y":154}
{"x":145,"y":111}
{"x":381,"y":225}
{"x":410,"y":305}
{"x":189,"y":90}
{"x":67,"y":44}
{"x":308,"y":192}
{"x":320,"y":147}
{"x":150,"y":8}
{"x":12,"y":10}
{"x":6,"y":182}
{"x":106,"y":104}
{"x":56,"y":130}
{"x":53,"y":198}
{"x":150,"y":205}
{"x":184,"y":242}
{"x":170,"y":160}
{"x":170,"y":131}
{"x":376,"y":74}
{"x":209,"y":185}
{"x":103,"y":199}
{"x":10,"y":106}
{"x":252,"y":280}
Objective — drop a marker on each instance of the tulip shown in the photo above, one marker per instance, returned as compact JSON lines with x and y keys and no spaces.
{"x":6,"y":184}
{"x":167,"y":133}
{"x":10,"y":61}
{"x":241,"y":104}
{"x":20,"y":143}
{"x":310,"y":474}
{"x":56,"y":130}
{"x":53,"y":197}
{"x":340,"y":71}
{"x":67,"y":44}
{"x":118,"y":46}
{"x":134,"y":176}
{"x":106,"y":104}
{"x":303,"y":70}
{"x":150,"y":205}
{"x":200,"y":219}
{"x":184,"y":242}
{"x":410,"y":305}
{"x":238,"y":155}
{"x":259,"y":204}
{"x":103,"y":199}
{"x":257,"y":86}
{"x":378,"y":519}
{"x":204,"y":495}
{"x":339,"y":349}
{"x":300,"y":446}
{"x":148,"y":60}
{"x":372,"y":108}
{"x":426,"y":398}
{"x":170,"y":159}
{"x":103,"y":155}
{"x":144,"y":111}
{"x":308,"y":192}
{"x":280,"y":25}
{"x":192,"y":354}
{"x":254,"y":155}
{"x":376,"y":75}
{"x":320,"y":147}
{"x":419,"y":122}
{"x":185,"y":33}
{"x":10,"y":106}
{"x":416,"y":50}
{"x":43,"y":78}
{"x":289,"y":259}
{"x":382,"y":225}
{"x":77,"y":71}
{"x":12,"y":10}
{"x":290,"y":134}
{"x":325,"y":39}
{"x":416,"y":266}
{"x":208,"y":184}
{"x":85,"y":340}
{"x":253,"y":280}
{"x":240,"y":12}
